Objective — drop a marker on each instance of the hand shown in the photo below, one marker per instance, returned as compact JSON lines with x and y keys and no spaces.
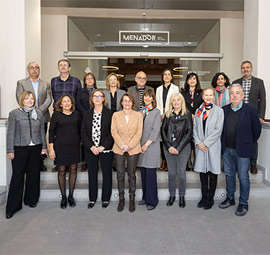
{"x":44,"y":151}
{"x":10,"y":155}
{"x":162,"y":116}
{"x":94,"y":150}
{"x":100,"y":149}
{"x":193,"y":116}
{"x":173,"y":151}
{"x":144,"y":148}
{"x":201,"y":145}
{"x":261,"y":120}
{"x":125,"y":148}
{"x":205,"y":149}
{"x":52,"y":154}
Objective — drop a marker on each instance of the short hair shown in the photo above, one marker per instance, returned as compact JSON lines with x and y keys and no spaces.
{"x":108,"y":82}
{"x":237,"y":85}
{"x":163,"y":72}
{"x":84,"y":79}
{"x":64,"y":60}
{"x":59,"y":102}
{"x":183,"y":106}
{"x":209,"y":88}
{"x":215,"y":78}
{"x":24,"y":95}
{"x":246,"y":62}
{"x":198,"y":88}
{"x":92,"y":95}
{"x":130,"y":97}
{"x":32,"y":63}
{"x":151,"y":93}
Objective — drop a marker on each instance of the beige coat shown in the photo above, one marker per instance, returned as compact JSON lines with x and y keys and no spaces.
{"x":127,"y":134}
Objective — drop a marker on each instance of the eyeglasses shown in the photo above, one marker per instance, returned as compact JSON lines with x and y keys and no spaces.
{"x":89,"y":79}
{"x":112,"y":79}
{"x":141,"y":78}
{"x":63,"y":65}
{"x":98,"y":97}
{"x":33,"y":67}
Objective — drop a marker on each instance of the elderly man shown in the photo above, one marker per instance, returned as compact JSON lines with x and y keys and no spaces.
{"x":137,"y":90}
{"x":254,"y":94}
{"x":242,"y":128}
{"x":41,"y":90}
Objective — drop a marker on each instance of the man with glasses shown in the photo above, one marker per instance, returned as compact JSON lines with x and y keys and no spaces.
{"x":42,"y":92}
{"x":137,"y":90}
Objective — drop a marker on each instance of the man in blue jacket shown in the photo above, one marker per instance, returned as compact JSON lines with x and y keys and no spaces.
{"x":241,"y":130}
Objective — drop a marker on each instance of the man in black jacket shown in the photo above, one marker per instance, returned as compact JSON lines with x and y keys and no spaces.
{"x":254,"y":94}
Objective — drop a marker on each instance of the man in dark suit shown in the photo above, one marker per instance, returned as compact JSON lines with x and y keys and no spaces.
{"x":254,"y":94}
{"x":241,"y":130}
{"x":42,"y":92}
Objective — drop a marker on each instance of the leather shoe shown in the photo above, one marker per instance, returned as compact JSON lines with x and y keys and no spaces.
{"x":9,"y":215}
{"x":241,"y":210}
{"x":182,"y":202}
{"x":150,"y":207}
{"x":32,"y":205}
{"x":63,"y":203}
{"x":131,"y":205}
{"x":170,"y":201}
{"x":253,"y":169}
{"x":121,"y":205}
{"x":202,"y":202}
{"x":227,"y":203}
{"x":105,"y":204}
{"x":91,"y":205}
{"x":71,"y":201}
{"x":142,"y":202}
{"x":209,"y":203}
{"x":43,"y":168}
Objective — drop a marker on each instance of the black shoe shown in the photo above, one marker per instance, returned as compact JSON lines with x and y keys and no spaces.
{"x":55,"y":169}
{"x":43,"y":168}
{"x":227,"y":203}
{"x":170,"y":201}
{"x":91,"y":205}
{"x":188,"y":169}
{"x":105,"y":204}
{"x":150,"y":207}
{"x":202,"y":202}
{"x":241,"y":210}
{"x":182,"y":202}
{"x":32,"y":205}
{"x":9,"y":215}
{"x":142,"y":202}
{"x":63,"y":204}
{"x":71,"y":201}
{"x":209,"y":203}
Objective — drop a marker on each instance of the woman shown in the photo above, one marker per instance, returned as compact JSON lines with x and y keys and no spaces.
{"x":176,"y":132}
{"x":192,"y":94}
{"x":113,"y":93}
{"x":163,"y":95}
{"x":208,"y":125}
{"x":25,"y":142}
{"x":98,"y":142}
{"x":64,"y":145}
{"x":126,"y":131}
{"x":220,"y":83}
{"x":149,"y":159}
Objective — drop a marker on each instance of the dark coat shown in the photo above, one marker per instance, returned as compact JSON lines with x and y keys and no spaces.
{"x":106,"y":139}
{"x":85,"y":105}
{"x":256,"y":94}
{"x":181,"y":127}
{"x":196,"y":102}
{"x":248,"y":130}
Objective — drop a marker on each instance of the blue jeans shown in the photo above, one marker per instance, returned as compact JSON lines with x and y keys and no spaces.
{"x":232,"y":163}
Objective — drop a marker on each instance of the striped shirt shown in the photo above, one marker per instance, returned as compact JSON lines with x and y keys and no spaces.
{"x":141,"y":91}
{"x":246,"y":89}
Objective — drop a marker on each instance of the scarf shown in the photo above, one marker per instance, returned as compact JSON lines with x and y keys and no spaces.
{"x":32,"y":111}
{"x":146,"y":109}
{"x":203,"y":108}
{"x":220,"y":96}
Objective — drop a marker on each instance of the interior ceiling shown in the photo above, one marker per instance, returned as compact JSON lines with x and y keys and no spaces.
{"x":213,"y":5}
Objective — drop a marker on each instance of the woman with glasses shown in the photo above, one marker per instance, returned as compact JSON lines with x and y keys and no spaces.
{"x":98,"y":142}
{"x":113,"y":93}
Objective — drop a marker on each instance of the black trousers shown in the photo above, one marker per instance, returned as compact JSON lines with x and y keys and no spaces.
{"x":209,"y":184}
{"x":105,"y":160}
{"x":26,"y":163}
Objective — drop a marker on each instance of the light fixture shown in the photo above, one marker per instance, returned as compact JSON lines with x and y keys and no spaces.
{"x":119,"y":75}
{"x":179,"y":68}
{"x":178,"y":76}
{"x":145,"y":46}
{"x":110,"y":68}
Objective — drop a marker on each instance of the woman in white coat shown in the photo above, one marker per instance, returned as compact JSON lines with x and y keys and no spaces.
{"x":207,"y":130}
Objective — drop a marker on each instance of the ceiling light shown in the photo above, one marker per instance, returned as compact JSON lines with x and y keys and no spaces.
{"x":110,"y":68}
{"x":179,"y":68}
{"x":178,"y":76}
{"x":145,"y":46}
{"x":119,"y":75}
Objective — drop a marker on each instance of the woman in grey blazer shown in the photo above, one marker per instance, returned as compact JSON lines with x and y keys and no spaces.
{"x":25,"y":142}
{"x":113,"y":93}
{"x":149,"y":159}
{"x":208,"y":125}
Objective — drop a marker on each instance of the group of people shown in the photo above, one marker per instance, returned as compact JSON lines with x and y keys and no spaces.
{"x":137,"y":128}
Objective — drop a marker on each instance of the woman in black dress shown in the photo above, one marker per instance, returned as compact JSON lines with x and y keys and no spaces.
{"x":64,"y":145}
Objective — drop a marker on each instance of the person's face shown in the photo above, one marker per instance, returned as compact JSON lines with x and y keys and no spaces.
{"x":113,"y":81}
{"x":66,"y":104}
{"x":236,"y":95}
{"x":63,"y":67}
{"x":208,"y":96}
{"x":192,"y":81}
{"x":141,"y":79}
{"x":98,"y":98}
{"x":33,"y":70}
{"x":246,"y":69}
{"x":221,"y":81}
{"x":167,"y":77}
{"x":177,"y":103}
{"x":147,"y":99}
{"x":127,"y":103}
{"x":29,"y":101}
{"x":89,"y":81}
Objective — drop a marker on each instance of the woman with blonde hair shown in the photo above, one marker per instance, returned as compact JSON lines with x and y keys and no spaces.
{"x":176,"y":132}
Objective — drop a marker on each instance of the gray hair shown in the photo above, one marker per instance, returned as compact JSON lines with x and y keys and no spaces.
{"x":32,"y":63}
{"x":236,"y":85}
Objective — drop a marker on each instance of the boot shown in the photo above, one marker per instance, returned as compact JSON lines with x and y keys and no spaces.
{"x":121,"y":204}
{"x":209,"y":203}
{"x":166,"y":166}
{"x":163,"y":165}
{"x":202,"y":202}
{"x":131,"y":204}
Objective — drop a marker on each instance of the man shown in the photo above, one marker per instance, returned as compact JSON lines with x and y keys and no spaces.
{"x":137,"y":90}
{"x":242,"y":128}
{"x":254,"y":94}
{"x":41,"y":90}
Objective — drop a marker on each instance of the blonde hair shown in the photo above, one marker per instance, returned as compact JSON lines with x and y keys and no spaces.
{"x":108,"y":82}
{"x":209,"y":88}
{"x":169,"y":113}
{"x":25,"y":94}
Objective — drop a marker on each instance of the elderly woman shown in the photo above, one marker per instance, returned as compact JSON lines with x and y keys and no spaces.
{"x":220,"y":83}
{"x":98,"y":142}
{"x":64,"y":145}
{"x":126,"y":131}
{"x":25,"y":142}
{"x":149,"y":159}
{"x":176,"y":132}
{"x":208,"y":125}
{"x":113,"y":93}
